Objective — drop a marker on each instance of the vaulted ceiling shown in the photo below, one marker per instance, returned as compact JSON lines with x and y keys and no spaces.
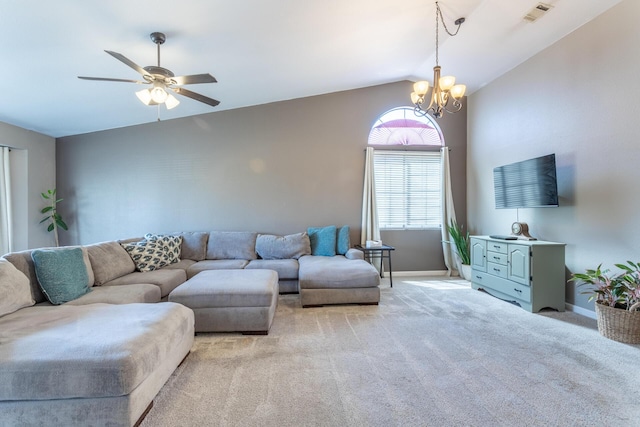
{"x":260,"y":51}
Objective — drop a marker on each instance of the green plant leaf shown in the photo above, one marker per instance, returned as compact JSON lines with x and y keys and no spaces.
{"x":47,"y":209}
{"x":50,"y":227}
{"x":59,"y":200}
{"x":44,"y":196}
{"x":45,"y":219}
{"x":61,"y":223}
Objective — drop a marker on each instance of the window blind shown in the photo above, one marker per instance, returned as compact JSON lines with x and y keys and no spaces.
{"x":408,"y":189}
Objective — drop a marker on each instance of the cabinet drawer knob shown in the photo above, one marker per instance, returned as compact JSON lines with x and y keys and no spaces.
{"x":517,"y":290}
{"x":497,"y":270}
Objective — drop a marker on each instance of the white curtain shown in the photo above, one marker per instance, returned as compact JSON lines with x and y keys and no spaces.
{"x":448,"y":213}
{"x":6,"y":237}
{"x":370,"y":226}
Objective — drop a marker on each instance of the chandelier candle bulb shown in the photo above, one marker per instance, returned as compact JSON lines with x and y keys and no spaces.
{"x":447,"y":82}
{"x":458,"y":91}
{"x":421,"y":88}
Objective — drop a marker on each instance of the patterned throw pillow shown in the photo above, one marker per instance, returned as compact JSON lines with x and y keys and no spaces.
{"x":169,"y":244}
{"x":147,"y":255}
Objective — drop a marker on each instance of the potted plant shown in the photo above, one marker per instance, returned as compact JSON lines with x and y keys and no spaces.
{"x":460,"y":241}
{"x":52,"y":215}
{"x":617,"y":300}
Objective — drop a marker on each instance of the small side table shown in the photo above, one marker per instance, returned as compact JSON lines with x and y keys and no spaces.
{"x":379,"y":252}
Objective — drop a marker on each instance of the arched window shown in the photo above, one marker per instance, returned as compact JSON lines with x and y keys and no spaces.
{"x":407,"y":182}
{"x":401,"y":126}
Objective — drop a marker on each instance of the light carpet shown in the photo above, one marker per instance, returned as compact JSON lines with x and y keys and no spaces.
{"x":433,"y":353}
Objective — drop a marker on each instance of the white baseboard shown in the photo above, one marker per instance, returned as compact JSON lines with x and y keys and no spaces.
{"x":581,"y":311}
{"x":419,"y":273}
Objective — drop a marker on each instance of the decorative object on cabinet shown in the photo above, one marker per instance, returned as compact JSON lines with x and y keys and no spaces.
{"x":506,"y":270}
{"x":617,"y":300}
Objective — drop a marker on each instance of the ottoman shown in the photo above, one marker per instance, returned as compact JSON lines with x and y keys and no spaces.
{"x":230,"y":300}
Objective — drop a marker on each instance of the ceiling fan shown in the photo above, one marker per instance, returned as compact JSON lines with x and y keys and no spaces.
{"x":162,"y":80}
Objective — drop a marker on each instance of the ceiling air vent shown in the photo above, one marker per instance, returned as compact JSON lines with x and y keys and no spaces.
{"x":537,"y":12}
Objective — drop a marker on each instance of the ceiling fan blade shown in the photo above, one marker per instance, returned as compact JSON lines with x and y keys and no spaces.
{"x":194,"y":79}
{"x":196,"y":96}
{"x":120,"y":57}
{"x":107,"y":79}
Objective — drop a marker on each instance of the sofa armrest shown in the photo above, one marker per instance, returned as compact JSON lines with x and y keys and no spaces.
{"x":354,"y":254}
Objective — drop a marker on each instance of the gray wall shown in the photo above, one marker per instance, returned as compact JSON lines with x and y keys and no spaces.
{"x":276,"y":168}
{"x":33,"y":171}
{"x":576,"y":99}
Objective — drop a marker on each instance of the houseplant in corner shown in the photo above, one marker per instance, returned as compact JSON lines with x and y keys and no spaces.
{"x":460,"y":239}
{"x":617,"y":300}
{"x":52,"y":215}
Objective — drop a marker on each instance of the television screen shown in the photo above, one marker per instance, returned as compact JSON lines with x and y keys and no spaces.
{"x":528,"y":184}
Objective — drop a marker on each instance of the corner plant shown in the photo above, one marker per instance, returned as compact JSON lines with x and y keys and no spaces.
{"x":52,"y":215}
{"x":461,"y":241}
{"x":619,"y":291}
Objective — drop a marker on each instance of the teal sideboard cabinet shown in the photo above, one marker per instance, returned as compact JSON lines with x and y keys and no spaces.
{"x":529,"y":273}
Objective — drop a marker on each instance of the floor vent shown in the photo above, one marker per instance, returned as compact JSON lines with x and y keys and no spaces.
{"x":537,"y":12}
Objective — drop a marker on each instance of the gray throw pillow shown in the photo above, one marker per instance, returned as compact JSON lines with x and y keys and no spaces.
{"x":14,"y":289}
{"x":232,"y":245}
{"x":194,"y":245}
{"x":109,"y":261}
{"x":292,"y":246}
{"x":62,"y":273}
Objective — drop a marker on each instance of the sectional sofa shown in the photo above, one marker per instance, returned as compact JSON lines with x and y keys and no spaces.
{"x":100,"y":357}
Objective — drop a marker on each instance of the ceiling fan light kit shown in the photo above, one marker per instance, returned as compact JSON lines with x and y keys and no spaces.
{"x":446,"y":95}
{"x":162,"y":80}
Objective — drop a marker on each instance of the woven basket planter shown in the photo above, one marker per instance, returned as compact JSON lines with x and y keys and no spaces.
{"x":618,"y":324}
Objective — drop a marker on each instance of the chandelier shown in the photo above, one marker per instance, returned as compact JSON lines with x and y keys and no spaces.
{"x":446,"y":95}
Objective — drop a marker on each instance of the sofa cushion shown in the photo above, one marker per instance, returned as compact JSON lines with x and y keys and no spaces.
{"x":109,"y":260}
{"x":171,"y":245}
{"x":96,"y":350}
{"x":138,"y":292}
{"x":62,"y":273}
{"x":14,"y":289}
{"x":216,"y":264}
{"x":148,"y":255}
{"x":232,"y":245}
{"x":166,"y":279}
{"x":183,"y":264}
{"x":320,"y":272}
{"x":23,"y":262}
{"x":293,"y":246}
{"x":343,"y":240}
{"x":194,"y":245}
{"x":287,"y":269}
{"x":323,"y":240}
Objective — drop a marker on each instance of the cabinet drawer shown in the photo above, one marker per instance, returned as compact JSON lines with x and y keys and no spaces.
{"x":497,"y":258}
{"x":497,"y":269}
{"x":499,"y":247}
{"x":488,"y":282}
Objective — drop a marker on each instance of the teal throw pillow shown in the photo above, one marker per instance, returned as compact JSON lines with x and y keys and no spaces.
{"x":344,"y":242}
{"x":62,"y":273}
{"x":323,"y":240}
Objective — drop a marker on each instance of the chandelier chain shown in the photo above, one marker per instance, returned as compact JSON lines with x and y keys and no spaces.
{"x":441,"y":18}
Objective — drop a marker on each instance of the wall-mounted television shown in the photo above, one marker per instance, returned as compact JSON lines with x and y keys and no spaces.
{"x":528,"y":184}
